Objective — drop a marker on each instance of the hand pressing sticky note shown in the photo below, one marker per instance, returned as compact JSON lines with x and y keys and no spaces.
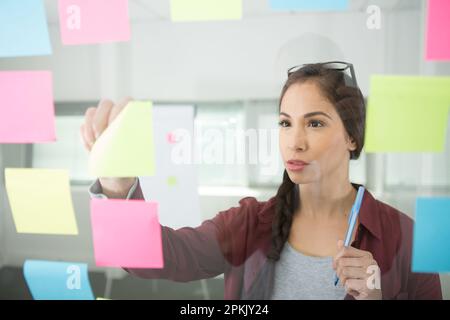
{"x":52,"y":280}
{"x":204,"y":10}
{"x":126,"y":147}
{"x":23,"y":29}
{"x":407,"y":114}
{"x":438,"y":30}
{"x":309,"y":5}
{"x":93,"y":21}
{"x":27,"y":113}
{"x":126,"y":233}
{"x":431,"y":235}
{"x":41,"y":201}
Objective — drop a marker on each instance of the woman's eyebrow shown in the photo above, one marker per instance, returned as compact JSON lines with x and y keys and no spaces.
{"x":312,"y":114}
{"x":308,"y":115}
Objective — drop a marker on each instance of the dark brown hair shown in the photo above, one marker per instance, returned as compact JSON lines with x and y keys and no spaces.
{"x":349,"y":104}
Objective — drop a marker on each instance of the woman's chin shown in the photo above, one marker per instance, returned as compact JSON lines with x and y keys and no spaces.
{"x":302,"y":177}
{"x":297,"y":177}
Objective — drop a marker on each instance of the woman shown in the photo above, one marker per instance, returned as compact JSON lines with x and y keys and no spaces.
{"x":290,"y":247}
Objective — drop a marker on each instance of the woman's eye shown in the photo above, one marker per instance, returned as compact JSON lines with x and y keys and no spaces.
{"x":283,"y":123}
{"x":315,"y":124}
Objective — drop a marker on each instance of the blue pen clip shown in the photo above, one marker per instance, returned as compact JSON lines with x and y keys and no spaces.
{"x":354,"y":212}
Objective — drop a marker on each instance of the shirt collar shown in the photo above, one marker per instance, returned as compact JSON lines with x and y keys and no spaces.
{"x":368,"y":213}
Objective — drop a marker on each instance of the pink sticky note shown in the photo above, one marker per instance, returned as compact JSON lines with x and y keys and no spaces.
{"x":27,"y":112}
{"x":438,"y":30}
{"x":171,"y":138}
{"x":93,"y":21}
{"x":126,"y":233}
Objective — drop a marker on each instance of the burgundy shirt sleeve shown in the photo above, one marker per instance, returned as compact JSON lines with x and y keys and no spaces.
{"x":417,"y":286}
{"x":189,"y":253}
{"x":420,"y":286}
{"x":425,"y":287}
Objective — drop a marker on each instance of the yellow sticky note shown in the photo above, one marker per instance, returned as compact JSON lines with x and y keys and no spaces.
{"x":407,"y":114}
{"x":126,"y":147}
{"x":172,"y":181}
{"x":204,"y":10}
{"x":41,"y":201}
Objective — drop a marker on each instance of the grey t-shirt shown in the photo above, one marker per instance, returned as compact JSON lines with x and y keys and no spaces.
{"x":301,"y":277}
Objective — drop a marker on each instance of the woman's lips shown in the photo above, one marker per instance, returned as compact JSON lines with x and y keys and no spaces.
{"x":294,"y":165}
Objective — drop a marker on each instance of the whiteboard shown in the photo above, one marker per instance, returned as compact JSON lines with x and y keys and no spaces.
{"x":174,"y":186}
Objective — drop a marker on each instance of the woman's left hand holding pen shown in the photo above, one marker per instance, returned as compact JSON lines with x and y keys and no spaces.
{"x":358,"y":272}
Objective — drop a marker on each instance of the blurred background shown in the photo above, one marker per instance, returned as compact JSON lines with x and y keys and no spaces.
{"x":230,"y":73}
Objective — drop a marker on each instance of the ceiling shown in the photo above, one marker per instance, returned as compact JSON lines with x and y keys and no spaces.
{"x":154,"y":10}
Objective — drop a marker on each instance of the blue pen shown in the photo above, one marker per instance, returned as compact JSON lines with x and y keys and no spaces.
{"x":354,"y":212}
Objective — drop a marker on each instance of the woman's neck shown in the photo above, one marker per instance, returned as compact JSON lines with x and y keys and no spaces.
{"x":326,"y":199}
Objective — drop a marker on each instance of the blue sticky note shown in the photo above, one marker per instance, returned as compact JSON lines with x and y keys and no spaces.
{"x":23,"y":29}
{"x":309,"y":5}
{"x":431,"y":236}
{"x":54,"y":280}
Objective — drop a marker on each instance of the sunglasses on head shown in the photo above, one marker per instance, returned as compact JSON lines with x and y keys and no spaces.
{"x":350,"y":79}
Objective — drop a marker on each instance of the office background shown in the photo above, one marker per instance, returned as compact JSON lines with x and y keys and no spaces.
{"x":231,"y":73}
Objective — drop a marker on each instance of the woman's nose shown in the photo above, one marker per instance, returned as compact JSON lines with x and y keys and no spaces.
{"x":298,"y":140}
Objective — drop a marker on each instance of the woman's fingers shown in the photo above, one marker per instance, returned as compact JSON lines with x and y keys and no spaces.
{"x":118,"y":108}
{"x":347,"y":273}
{"x":87,"y":131}
{"x":353,"y":269}
{"x":350,"y":252}
{"x":349,"y":262}
{"x":101,"y":118}
{"x":356,"y":288}
{"x":85,"y":143}
{"x":97,"y":119}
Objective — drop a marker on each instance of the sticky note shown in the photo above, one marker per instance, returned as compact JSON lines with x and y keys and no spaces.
{"x":204,"y":10}
{"x":126,"y":147}
{"x":126,"y":233}
{"x":93,"y":21}
{"x":54,"y":280}
{"x":23,"y":29}
{"x":41,"y":201}
{"x":309,"y":5}
{"x":407,"y":114}
{"x":172,"y":181}
{"x":438,"y":30}
{"x":432,"y":235}
{"x":172,"y":138}
{"x":27,"y":113}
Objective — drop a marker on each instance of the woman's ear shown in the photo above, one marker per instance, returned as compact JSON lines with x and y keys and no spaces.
{"x":351,"y":143}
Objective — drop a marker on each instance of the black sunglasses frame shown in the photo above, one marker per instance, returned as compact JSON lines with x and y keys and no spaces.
{"x":345,"y":66}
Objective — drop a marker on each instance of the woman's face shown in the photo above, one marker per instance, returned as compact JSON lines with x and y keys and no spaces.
{"x":312,"y":131}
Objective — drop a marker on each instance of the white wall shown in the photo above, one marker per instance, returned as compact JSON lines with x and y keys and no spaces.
{"x":222,"y":60}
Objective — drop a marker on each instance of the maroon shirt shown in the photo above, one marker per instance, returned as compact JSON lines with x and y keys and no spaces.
{"x":236,"y":242}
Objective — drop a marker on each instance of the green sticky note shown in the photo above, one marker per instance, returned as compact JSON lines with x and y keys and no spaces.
{"x":407,"y":114}
{"x":204,"y":10}
{"x":40,"y":200}
{"x":172,"y":181}
{"x":126,"y":147}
